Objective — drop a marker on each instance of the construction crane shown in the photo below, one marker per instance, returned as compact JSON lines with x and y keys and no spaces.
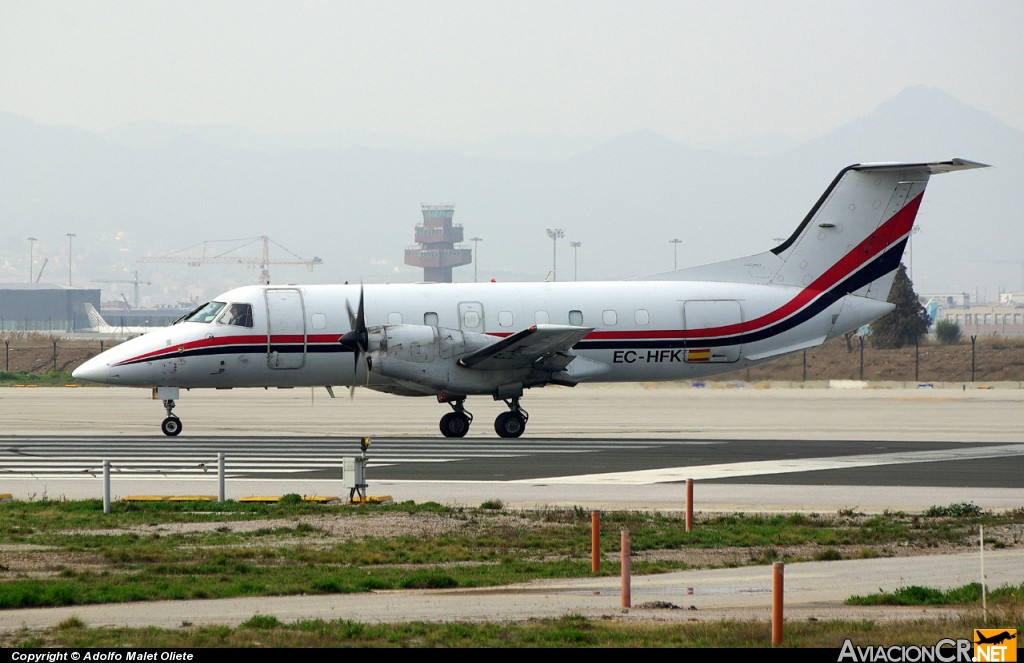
{"x":224,"y":258}
{"x":135,"y":282}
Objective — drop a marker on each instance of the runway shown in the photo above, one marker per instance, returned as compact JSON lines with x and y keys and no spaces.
{"x":747,"y":449}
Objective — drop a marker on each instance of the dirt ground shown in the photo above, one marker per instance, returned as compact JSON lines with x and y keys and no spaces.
{"x":995,"y":359}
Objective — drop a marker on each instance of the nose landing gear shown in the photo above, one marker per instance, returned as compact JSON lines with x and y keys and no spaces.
{"x":172,"y":424}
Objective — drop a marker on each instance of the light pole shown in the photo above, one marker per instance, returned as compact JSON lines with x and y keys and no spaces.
{"x":476,"y":241}
{"x":71,"y":236}
{"x":554,"y":234}
{"x":675,"y":252}
{"x":31,"y":257}
{"x":575,"y":262}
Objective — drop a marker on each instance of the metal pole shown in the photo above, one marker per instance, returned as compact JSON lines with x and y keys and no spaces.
{"x":554,"y":234}
{"x":777,"y":594}
{"x":627,"y":600}
{"x":917,"y":359}
{"x":861,"y":357}
{"x":689,"y":505}
{"x":595,"y":541}
{"x":575,"y":260}
{"x":476,"y":243}
{"x":675,"y":252}
{"x":981,"y":545}
{"x":31,"y":257}
{"x":220,"y":476}
{"x":973,"y":339}
{"x":106,"y":486}
{"x":54,"y":354}
{"x":71,"y":236}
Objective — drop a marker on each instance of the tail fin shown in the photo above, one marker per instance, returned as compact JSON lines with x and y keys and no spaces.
{"x":851,"y":240}
{"x":96,"y":321}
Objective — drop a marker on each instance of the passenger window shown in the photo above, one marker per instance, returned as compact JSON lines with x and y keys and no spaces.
{"x":641,"y":316}
{"x":394,"y":318}
{"x":505,"y":318}
{"x":541,"y":317}
{"x":430,"y":319}
{"x":471,"y":319}
{"x":576,"y":318}
{"x":609,"y":318}
{"x":319,"y":321}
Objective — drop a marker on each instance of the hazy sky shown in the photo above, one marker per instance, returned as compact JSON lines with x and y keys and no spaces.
{"x":466,"y":71}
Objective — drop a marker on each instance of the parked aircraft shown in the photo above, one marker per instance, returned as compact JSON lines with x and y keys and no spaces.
{"x":454,"y":340}
{"x":99,"y":325}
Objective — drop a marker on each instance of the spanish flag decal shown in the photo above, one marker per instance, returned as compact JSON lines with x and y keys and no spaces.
{"x":703,"y":354}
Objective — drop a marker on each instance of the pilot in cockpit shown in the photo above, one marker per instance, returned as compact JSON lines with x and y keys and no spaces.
{"x":240,"y":315}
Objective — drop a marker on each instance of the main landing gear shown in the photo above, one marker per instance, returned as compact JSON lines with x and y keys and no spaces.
{"x":456,"y":424}
{"x":172,"y":424}
{"x":513,"y":422}
{"x":507,"y":424}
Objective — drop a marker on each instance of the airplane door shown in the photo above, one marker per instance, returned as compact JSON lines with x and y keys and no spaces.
{"x":286,"y":328}
{"x":710,"y":314}
{"x":471,"y":317}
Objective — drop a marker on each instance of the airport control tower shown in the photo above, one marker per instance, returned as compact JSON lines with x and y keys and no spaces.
{"x":436,"y":238}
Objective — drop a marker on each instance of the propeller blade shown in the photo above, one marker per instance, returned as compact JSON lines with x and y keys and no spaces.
{"x":356,"y":340}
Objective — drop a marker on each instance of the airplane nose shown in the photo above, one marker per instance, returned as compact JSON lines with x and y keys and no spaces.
{"x":94,"y":370}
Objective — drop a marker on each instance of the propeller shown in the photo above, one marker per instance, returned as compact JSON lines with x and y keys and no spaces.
{"x":356,"y":340}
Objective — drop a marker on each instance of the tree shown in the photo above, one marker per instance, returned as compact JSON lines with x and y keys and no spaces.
{"x":905,"y":325}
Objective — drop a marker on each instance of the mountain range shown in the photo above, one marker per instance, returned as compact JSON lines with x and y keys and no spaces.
{"x":353,"y":200}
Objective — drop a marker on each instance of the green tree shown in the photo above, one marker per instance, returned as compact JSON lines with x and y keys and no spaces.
{"x":905,"y":325}
{"x":947,"y":332}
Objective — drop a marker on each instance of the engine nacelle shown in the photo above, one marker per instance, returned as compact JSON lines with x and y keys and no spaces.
{"x":428,"y":356}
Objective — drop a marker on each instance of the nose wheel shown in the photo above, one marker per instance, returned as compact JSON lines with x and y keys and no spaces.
{"x":513,"y":422}
{"x":171,"y":426}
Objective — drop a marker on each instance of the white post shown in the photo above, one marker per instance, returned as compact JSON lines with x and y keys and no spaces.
{"x":220,"y":476}
{"x":106,"y":486}
{"x":984,"y":599}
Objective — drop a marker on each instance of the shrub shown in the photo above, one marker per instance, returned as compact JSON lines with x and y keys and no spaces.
{"x":947,"y":332}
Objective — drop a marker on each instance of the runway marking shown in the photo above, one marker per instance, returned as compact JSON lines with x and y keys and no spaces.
{"x":761,"y":468}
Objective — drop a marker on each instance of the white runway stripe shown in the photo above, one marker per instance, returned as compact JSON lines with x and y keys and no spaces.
{"x":762,"y":468}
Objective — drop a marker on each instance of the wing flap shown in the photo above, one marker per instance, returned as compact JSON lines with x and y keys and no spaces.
{"x":525,"y":348}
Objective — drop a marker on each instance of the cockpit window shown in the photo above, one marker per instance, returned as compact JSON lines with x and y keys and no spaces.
{"x":237,"y":314}
{"x":205,"y":313}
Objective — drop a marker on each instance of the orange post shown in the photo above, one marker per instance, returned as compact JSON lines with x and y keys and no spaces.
{"x":777,"y":594}
{"x":595,"y":541}
{"x":689,"y":505}
{"x":627,"y":600}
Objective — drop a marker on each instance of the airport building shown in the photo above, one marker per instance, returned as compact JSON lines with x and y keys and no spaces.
{"x":45,"y":307}
{"x":436,"y":238}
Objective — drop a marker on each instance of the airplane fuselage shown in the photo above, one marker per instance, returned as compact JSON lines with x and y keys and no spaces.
{"x":642,"y":330}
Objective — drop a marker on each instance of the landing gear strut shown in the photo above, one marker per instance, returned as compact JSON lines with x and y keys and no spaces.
{"x":172,"y":424}
{"x":456,"y":424}
{"x":513,"y":422}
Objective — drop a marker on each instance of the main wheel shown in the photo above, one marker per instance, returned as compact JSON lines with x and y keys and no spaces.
{"x":171,"y":426}
{"x":509,"y":424}
{"x":454,"y":424}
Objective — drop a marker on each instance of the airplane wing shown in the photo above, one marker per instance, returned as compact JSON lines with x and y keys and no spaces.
{"x":538,"y":345}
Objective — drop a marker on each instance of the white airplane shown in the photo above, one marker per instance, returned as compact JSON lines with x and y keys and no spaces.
{"x":455,"y":340}
{"x":99,"y":325}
